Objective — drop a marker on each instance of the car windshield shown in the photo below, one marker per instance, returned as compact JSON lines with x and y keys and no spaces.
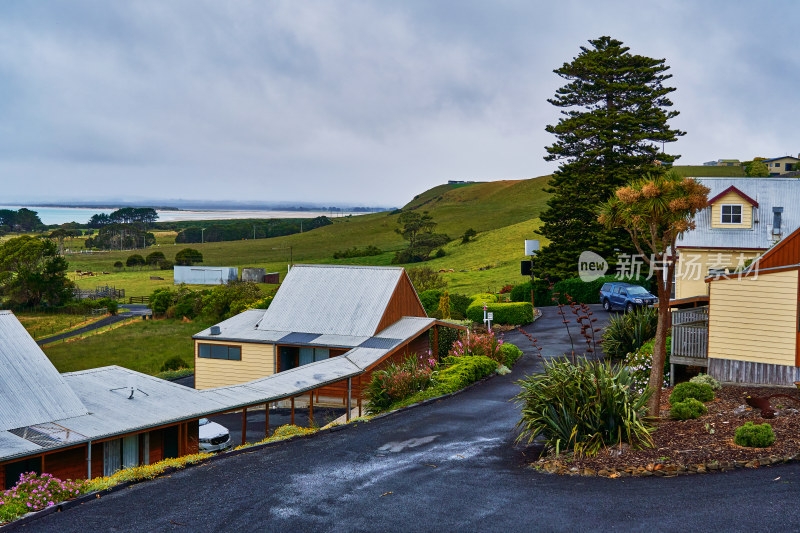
{"x":204,"y":421}
{"x":637,"y":291}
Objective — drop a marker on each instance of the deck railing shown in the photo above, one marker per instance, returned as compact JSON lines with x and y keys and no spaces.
{"x":690,"y":334}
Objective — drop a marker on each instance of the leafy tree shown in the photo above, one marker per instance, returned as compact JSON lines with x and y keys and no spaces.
{"x":444,"y":305}
{"x":155,"y":258}
{"x":615,"y":109}
{"x":426,"y":279}
{"x":756,"y":168}
{"x":469,"y":234}
{"x":417,"y":229}
{"x":134,"y":260}
{"x":188,"y":257}
{"x":62,"y":233}
{"x":32,"y":272}
{"x":655,"y":211}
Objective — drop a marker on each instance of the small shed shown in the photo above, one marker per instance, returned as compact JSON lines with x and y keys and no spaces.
{"x":205,"y":275}
{"x":256,"y":275}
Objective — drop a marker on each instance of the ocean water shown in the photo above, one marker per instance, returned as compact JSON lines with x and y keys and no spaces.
{"x":60,"y":215}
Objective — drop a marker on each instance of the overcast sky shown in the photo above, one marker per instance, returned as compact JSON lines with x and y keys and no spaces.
{"x":354,"y":102}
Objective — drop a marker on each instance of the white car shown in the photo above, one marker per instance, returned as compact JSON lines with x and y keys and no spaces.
{"x":213,"y":437}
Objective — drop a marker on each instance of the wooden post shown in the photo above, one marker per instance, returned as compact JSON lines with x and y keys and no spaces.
{"x":292,"y":410}
{"x":348,"y":399}
{"x":311,"y":408}
{"x":359,"y":405}
{"x":266,"y":421}
{"x":244,"y":425}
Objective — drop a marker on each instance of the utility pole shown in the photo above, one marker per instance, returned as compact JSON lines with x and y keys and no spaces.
{"x":202,"y":235}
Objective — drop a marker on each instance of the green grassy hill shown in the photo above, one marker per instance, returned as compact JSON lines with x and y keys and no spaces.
{"x":702,"y":171}
{"x":503,"y":212}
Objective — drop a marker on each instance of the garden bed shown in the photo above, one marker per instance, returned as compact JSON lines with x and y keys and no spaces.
{"x":699,"y":445}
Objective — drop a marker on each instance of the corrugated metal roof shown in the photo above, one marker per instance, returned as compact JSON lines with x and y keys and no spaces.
{"x":332,"y":299}
{"x":242,"y":327}
{"x":406,"y":327}
{"x":365,"y":357}
{"x":769,"y":193}
{"x":31,"y":389}
{"x":11,"y":444}
{"x":340,"y":341}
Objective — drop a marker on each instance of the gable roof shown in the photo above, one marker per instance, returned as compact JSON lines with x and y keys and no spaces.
{"x":781,"y":157}
{"x":31,"y":389}
{"x":769,"y":193}
{"x":332,"y":300}
{"x":735,"y":190}
{"x":784,"y":253}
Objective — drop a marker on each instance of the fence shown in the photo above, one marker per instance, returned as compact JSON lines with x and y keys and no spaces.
{"x":98,"y":293}
{"x":690,"y":336}
{"x":139,"y":300}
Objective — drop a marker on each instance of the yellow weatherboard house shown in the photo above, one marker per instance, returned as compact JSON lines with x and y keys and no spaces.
{"x":744,"y":219}
{"x":753,"y":334}
{"x":365,"y":316}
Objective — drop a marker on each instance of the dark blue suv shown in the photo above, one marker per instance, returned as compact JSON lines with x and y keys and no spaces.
{"x":624,"y":296}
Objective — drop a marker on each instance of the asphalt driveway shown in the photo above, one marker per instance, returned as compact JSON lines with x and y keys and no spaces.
{"x":448,"y":466}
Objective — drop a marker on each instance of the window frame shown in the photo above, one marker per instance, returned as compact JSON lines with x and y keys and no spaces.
{"x":731,"y":214}
{"x":230,"y":348}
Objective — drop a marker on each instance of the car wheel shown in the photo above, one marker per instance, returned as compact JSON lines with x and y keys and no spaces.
{"x":607,"y":305}
{"x":629,"y":308}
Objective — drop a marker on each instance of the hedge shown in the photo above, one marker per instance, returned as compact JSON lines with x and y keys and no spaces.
{"x":513,"y":313}
{"x":484,"y":297}
{"x":430,"y":300}
{"x":580,"y":291}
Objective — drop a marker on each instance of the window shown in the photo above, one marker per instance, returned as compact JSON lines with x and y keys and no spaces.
{"x":731,"y":214}
{"x":219,"y":351}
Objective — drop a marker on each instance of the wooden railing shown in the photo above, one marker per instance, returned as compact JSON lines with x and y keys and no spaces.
{"x":686,"y":316}
{"x":690,"y":340}
{"x":139,"y":300}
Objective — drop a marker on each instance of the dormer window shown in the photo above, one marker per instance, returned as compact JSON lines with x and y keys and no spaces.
{"x":731,"y":214}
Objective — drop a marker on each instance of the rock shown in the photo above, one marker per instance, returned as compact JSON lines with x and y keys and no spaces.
{"x":588,"y":472}
{"x":646,"y":473}
{"x":752,"y":464}
{"x":624,"y":474}
{"x":619,"y":449}
{"x":701,"y":469}
{"x":763,"y":461}
{"x":741,"y":410}
{"x":713,"y":466}
{"x":789,"y":411}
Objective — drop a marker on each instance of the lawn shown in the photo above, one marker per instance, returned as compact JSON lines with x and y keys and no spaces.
{"x":41,"y":325}
{"x":140,"y":345}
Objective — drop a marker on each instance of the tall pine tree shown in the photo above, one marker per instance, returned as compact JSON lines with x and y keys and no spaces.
{"x":615,"y":110}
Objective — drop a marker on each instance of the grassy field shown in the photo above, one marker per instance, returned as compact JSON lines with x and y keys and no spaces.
{"x":41,"y":325}
{"x":702,"y":171}
{"x":503,"y":212}
{"x":139,"y":345}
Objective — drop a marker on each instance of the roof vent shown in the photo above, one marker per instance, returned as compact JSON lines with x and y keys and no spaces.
{"x":215,"y":330}
{"x":776,"y":220}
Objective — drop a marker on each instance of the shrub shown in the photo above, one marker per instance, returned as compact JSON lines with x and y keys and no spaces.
{"x":458,"y":372}
{"x":443,"y":309}
{"x":109,"y":304}
{"x":446,"y":338}
{"x":430,"y":300}
{"x":118,"y":264}
{"x":754,"y":436}
{"x":397,"y":382}
{"x":166,"y":264}
{"x":173,"y":363}
{"x":589,"y":292}
{"x":188,"y":257}
{"x":458,"y":306}
{"x":134,"y":260}
{"x":510,"y":354}
{"x":512,"y":313}
{"x":687,"y":409}
{"x":155,"y":258}
{"x":640,"y":362}
{"x":627,"y":333}
{"x":582,"y":407}
{"x":699,"y":391}
{"x":485,"y":344}
{"x":541,"y":293}
{"x":708,"y":380}
{"x":33,"y":492}
{"x":483,"y":297}
{"x":356,"y":252}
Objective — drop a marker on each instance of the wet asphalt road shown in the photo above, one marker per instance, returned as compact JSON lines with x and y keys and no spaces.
{"x":133,"y":310}
{"x":448,"y":466}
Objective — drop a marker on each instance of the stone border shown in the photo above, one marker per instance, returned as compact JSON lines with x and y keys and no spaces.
{"x":661,"y":470}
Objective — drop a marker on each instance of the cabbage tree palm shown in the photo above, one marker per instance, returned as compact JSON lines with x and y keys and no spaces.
{"x":655,"y":210}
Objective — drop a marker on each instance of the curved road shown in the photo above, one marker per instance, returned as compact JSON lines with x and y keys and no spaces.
{"x":448,"y":466}
{"x":134,"y":310}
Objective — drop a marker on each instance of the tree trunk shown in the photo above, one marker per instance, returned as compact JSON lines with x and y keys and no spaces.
{"x":660,"y":347}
